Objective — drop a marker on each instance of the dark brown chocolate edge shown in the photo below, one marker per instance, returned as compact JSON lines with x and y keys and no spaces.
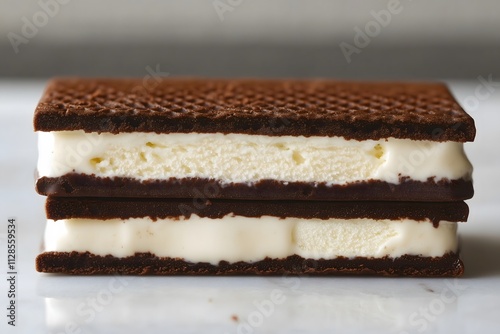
{"x":75,"y":263}
{"x":353,"y":110}
{"x":122,"y":208}
{"x":83,"y":185}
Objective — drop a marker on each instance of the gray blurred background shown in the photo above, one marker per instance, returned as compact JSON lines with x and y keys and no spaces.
{"x":421,"y":40}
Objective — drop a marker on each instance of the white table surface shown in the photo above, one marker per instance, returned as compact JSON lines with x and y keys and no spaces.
{"x":108,"y":304}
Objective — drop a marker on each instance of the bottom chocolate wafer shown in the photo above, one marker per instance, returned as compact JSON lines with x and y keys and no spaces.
{"x":168,"y":237}
{"x":148,"y":264}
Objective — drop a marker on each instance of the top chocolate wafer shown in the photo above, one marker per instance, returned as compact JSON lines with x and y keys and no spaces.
{"x":353,"y":110}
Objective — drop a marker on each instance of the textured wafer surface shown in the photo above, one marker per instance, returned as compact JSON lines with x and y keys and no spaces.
{"x":354,"y":110}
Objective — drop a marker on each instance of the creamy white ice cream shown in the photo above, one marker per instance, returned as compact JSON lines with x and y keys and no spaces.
{"x":242,"y":158}
{"x":237,"y":238}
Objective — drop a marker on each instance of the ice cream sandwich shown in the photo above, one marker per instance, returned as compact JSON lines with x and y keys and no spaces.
{"x":156,"y":236}
{"x":267,"y":177}
{"x":253,"y":139}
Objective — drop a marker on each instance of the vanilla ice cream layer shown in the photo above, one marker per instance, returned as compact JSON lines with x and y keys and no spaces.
{"x":236,"y":238}
{"x":242,"y":158}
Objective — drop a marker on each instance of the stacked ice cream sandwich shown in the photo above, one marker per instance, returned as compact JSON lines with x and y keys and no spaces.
{"x":204,"y":176}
